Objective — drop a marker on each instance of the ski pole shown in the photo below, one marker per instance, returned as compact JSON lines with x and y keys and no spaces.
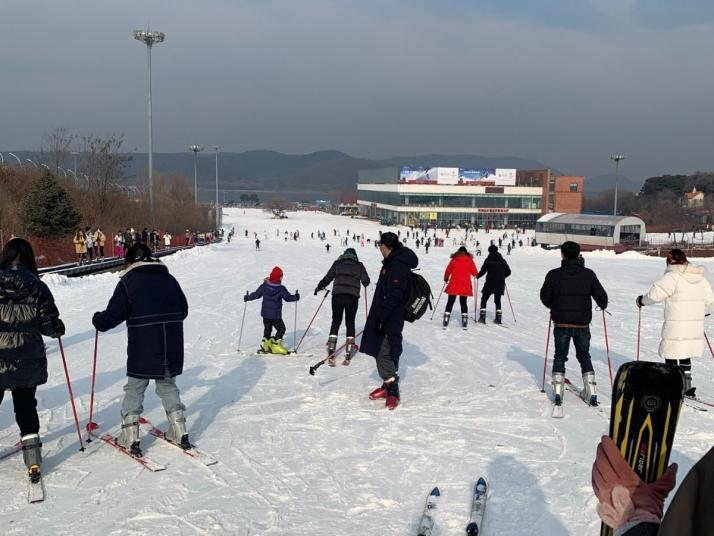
{"x":475,"y":299}
{"x":509,"y":302}
{"x":438,"y":299}
{"x":311,"y":321}
{"x":607,"y":346}
{"x":320,"y":363}
{"x":295,"y":325}
{"x":71,"y":394}
{"x":90,"y":425}
{"x":639,"y":321}
{"x":242,"y":322}
{"x":708,"y":344}
{"x":366,"y":307}
{"x":545,"y":361}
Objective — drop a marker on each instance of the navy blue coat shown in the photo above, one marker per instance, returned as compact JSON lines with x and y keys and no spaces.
{"x":496,"y":270}
{"x":154,"y":307}
{"x":273,"y":295}
{"x":387,"y":306}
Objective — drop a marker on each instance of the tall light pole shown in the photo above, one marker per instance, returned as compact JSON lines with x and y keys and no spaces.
{"x":149,"y":38}
{"x":617,"y":158}
{"x":195,"y":149}
{"x":216,"y":147}
{"x":74,"y":153}
{"x":16,"y":158}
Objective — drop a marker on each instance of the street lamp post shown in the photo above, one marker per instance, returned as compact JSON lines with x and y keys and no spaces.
{"x":217,"y":147}
{"x":16,"y":158}
{"x":149,"y":38}
{"x":195,"y":149}
{"x":617,"y":158}
{"x":75,"y":165}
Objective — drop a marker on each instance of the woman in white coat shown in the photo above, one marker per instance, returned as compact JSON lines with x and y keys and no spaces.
{"x":687,"y":295}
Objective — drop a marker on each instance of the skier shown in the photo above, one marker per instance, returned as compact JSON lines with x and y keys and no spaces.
{"x":382,"y":337}
{"x":496,"y":270}
{"x":687,"y":296}
{"x":273,"y":293}
{"x":458,"y":274}
{"x":347,"y":273}
{"x":568,"y":292}
{"x":327,"y":247}
{"x":28,"y":312}
{"x":257,"y":244}
{"x":150,"y":300}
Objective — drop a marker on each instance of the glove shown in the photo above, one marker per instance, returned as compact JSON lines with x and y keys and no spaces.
{"x":624,"y":498}
{"x":446,"y":280}
{"x":319,"y":289}
{"x":297,"y":296}
{"x":245,"y":298}
{"x":59,"y":329}
{"x":638,"y":301}
{"x":379,"y":328}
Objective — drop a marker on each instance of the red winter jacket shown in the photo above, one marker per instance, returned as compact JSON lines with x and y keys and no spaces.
{"x":459,"y":273}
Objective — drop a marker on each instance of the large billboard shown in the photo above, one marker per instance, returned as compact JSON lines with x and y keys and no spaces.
{"x":487,"y":176}
{"x":432,"y":175}
{"x":449,"y":175}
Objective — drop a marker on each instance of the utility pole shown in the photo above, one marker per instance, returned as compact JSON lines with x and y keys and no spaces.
{"x":617,"y":158}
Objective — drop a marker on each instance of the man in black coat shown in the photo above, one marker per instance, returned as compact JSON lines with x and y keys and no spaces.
{"x":154,"y":307}
{"x":496,"y":270}
{"x":568,"y":292}
{"x":348,"y":273}
{"x":382,"y":337}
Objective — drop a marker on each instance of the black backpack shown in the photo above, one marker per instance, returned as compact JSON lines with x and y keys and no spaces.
{"x":419,"y":298}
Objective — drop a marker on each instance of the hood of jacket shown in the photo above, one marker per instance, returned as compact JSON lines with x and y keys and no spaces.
{"x":348,"y":257}
{"x":690,"y":272}
{"x":404,"y":255}
{"x":496,"y":256}
{"x":148,"y":267}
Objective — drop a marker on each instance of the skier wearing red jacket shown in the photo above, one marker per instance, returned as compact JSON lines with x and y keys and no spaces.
{"x":458,"y":275}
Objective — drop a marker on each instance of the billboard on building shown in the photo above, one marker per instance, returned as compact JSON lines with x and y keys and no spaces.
{"x":432,"y":175}
{"x":488,"y":176}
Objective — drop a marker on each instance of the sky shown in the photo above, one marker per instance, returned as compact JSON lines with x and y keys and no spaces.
{"x":567,"y":82}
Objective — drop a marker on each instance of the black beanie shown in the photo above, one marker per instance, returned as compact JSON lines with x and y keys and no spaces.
{"x":463,"y":249}
{"x":570,"y":250}
{"x":492,"y":249}
{"x":390,"y":240}
{"x":350,"y":251}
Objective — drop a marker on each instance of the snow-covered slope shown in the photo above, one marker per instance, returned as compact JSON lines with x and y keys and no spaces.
{"x":304,"y":455}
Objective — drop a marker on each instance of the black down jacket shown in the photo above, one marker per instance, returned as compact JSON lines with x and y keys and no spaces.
{"x":386,"y":314}
{"x":348,"y":273}
{"x":154,"y":307}
{"x":496,"y":270}
{"x":27,"y":311}
{"x":568,"y":292}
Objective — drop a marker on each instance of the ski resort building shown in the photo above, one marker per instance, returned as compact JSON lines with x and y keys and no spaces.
{"x":442,"y":196}
{"x":591,"y":231}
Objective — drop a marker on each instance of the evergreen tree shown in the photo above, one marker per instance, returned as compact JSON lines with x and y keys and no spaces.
{"x":47,"y":209}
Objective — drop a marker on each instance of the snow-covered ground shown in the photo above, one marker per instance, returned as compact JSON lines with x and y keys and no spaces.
{"x":304,"y":455}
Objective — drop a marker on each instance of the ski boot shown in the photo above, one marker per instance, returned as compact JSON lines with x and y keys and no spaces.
{"x":464,"y":320}
{"x":378,"y":393}
{"x":350,"y":350}
{"x":589,"y":392}
{"x":331,"y":347}
{"x":277,"y":347}
{"x":482,"y":316}
{"x":129,"y":437}
{"x":264,"y":346}
{"x":176,"y":433}
{"x":499,"y":317}
{"x":392,"y":388}
{"x":558,"y":387}
{"x":688,"y":389}
{"x":447,"y":317}
{"x":32,"y":455}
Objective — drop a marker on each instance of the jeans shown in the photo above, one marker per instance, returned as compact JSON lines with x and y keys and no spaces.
{"x":25,"y":405}
{"x":581,"y":340}
{"x":268,"y":326}
{"x":496,"y":299}
{"x":462,"y":302}
{"x":134,"y":389}
{"x":387,"y":366}
{"x":347,"y":304}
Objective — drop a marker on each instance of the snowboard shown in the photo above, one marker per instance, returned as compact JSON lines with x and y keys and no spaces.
{"x":646,"y":401}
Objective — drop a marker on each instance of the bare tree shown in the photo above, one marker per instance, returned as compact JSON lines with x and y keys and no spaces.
{"x":104,"y":165}
{"x":56,"y":148}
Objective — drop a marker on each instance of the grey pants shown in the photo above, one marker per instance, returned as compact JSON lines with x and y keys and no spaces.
{"x":387,"y":366}
{"x":166,"y":390}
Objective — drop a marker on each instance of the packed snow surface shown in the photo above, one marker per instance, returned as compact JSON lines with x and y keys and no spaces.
{"x":304,"y":455}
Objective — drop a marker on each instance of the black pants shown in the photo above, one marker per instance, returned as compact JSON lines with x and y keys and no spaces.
{"x":268,"y":326}
{"x":463,"y":302}
{"x":101,"y":251}
{"x":25,"y":405}
{"x":496,"y":299}
{"x":344,"y":304}
{"x":90,"y":253}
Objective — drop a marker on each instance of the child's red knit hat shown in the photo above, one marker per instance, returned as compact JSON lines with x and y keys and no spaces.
{"x":276,"y":275}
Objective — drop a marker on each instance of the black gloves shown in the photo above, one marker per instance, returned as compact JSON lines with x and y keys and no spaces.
{"x":245,"y":298}
{"x":319,"y":289}
{"x":446,"y":280}
{"x":297,"y":296}
{"x":638,"y":301}
{"x":59,"y":329}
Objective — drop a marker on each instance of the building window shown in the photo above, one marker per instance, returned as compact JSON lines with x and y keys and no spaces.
{"x":573,"y":186}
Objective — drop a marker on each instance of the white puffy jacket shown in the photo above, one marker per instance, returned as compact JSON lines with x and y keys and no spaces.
{"x":687,"y":295}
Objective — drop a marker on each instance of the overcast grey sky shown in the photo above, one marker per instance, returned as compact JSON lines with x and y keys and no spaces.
{"x":563,"y":81}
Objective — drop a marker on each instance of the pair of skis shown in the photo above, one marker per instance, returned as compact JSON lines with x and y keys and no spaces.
{"x":478,"y":507}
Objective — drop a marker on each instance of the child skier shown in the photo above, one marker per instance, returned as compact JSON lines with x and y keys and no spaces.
{"x":273,"y":293}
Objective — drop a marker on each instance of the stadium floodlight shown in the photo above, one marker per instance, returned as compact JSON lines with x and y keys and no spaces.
{"x":216,"y":148}
{"x":617,"y":158}
{"x":195,"y":149}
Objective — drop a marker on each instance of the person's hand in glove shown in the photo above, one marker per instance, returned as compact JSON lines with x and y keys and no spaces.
{"x":639,"y":302}
{"x":297,"y":296}
{"x":245,"y":298}
{"x":624,"y":499}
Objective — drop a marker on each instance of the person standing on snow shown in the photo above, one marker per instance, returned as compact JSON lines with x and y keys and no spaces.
{"x":496,"y":270}
{"x":257,"y":244}
{"x":27,"y":312}
{"x":150,"y":300}
{"x":458,"y":275}
{"x":347,"y":273}
{"x":568,"y":292}
{"x":687,"y":296}
{"x":273,"y":293}
{"x":382,"y":337}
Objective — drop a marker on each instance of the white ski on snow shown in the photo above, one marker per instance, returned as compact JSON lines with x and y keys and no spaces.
{"x":110,"y":440}
{"x":6,"y":452}
{"x":35,"y":491}
{"x":478,"y":507}
{"x":194,"y":452}
{"x":426,"y":525}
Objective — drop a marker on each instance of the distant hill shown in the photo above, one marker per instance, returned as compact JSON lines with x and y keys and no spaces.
{"x":607,"y":182}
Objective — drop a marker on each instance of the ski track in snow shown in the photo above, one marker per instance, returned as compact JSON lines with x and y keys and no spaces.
{"x":313,"y":455}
